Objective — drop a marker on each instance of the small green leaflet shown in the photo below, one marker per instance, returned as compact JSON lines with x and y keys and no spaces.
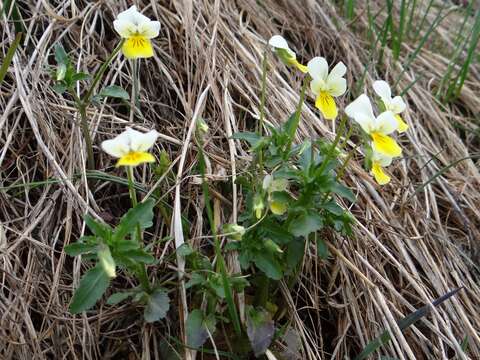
{"x":92,"y":286}
{"x":158,"y":304}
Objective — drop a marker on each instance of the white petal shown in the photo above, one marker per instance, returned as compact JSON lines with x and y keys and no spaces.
{"x":338,"y":71}
{"x":384,"y":160}
{"x":317,"y":85}
{"x":118,"y":146}
{"x":278,"y":42}
{"x":142,"y":141}
{"x":124,"y":28}
{"x":267,"y":181}
{"x":386,"y":123}
{"x":397,"y":105}
{"x":318,"y":68}
{"x":383,"y":90}
{"x":360,"y":105}
{"x":149,"y":29}
{"x":336,"y":86}
{"x":133,"y":15}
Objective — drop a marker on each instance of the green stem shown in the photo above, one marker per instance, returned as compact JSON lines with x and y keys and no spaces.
{"x":142,"y":271}
{"x":220,"y":265}
{"x":86,"y":135}
{"x":86,"y":99}
{"x":293,"y":130}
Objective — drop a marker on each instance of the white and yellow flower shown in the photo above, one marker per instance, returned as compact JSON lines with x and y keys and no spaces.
{"x":378,"y":128}
{"x":379,"y":162}
{"x":396,"y":104}
{"x":137,"y":30}
{"x":327,"y":85}
{"x":130,"y":147}
{"x":284,"y":52}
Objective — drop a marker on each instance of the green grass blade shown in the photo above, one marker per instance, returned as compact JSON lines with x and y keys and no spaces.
{"x":11,"y":11}
{"x":404,"y":323}
{"x":8,"y":58}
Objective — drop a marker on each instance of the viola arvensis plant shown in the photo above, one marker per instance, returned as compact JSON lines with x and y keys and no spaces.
{"x":327,"y":85}
{"x":284,"y":52}
{"x":378,"y":128}
{"x":130,"y":147}
{"x":394,"y":104}
{"x":137,"y":30}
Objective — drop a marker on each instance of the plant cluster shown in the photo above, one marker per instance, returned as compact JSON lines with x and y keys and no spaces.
{"x":293,"y":194}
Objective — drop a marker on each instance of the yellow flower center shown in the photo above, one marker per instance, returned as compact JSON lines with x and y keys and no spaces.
{"x":137,"y":46}
{"x":385,"y":145}
{"x":326,"y":104}
{"x":135,"y":158}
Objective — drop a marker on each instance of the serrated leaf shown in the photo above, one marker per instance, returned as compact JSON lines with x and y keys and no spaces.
{"x":138,"y":256}
{"x":77,"y":248}
{"x":142,"y":214}
{"x":260,"y":330}
{"x":114,"y":91}
{"x":197,"y":325}
{"x":92,"y":286}
{"x":306,"y":223}
{"x":157,"y":306}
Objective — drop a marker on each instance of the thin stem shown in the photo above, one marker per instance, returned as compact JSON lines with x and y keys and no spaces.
{"x":221,"y":267}
{"x":86,"y":135}
{"x":298,"y":111}
{"x":263,"y":95}
{"x":142,"y":271}
{"x":86,"y":99}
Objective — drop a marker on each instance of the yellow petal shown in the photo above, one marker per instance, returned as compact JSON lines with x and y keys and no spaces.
{"x":402,"y":125}
{"x":299,"y":66}
{"x":278,"y":208}
{"x":326,"y":104}
{"x":137,"y":47}
{"x":386,"y":145}
{"x":379,"y":174}
{"x":135,"y":158}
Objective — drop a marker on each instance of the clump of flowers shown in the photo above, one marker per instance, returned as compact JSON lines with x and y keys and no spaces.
{"x":137,"y":30}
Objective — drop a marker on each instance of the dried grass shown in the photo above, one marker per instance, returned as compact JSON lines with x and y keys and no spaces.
{"x":407,"y":250}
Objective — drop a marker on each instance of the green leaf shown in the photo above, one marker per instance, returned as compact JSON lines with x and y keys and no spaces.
{"x":196,"y":279}
{"x":333,"y":207}
{"x":269,"y":265}
{"x":142,"y":214}
{"x":100,"y":229}
{"x":260,"y":330}
{"x":343,"y":191}
{"x":77,"y":248}
{"x":115,"y":92}
{"x":216,"y":284}
{"x":322,"y":249}
{"x":59,"y":88}
{"x":61,"y":56}
{"x":118,"y":297}
{"x":404,"y":323}
{"x":92,"y":286}
{"x":197,"y":325}
{"x":138,"y":256}
{"x":295,"y":250}
{"x":80,"y":76}
{"x":185,"y":250}
{"x":306,"y":223}
{"x":251,"y":137}
{"x":157,"y":306}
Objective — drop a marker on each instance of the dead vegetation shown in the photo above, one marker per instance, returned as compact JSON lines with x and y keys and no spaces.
{"x":409,"y":248}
